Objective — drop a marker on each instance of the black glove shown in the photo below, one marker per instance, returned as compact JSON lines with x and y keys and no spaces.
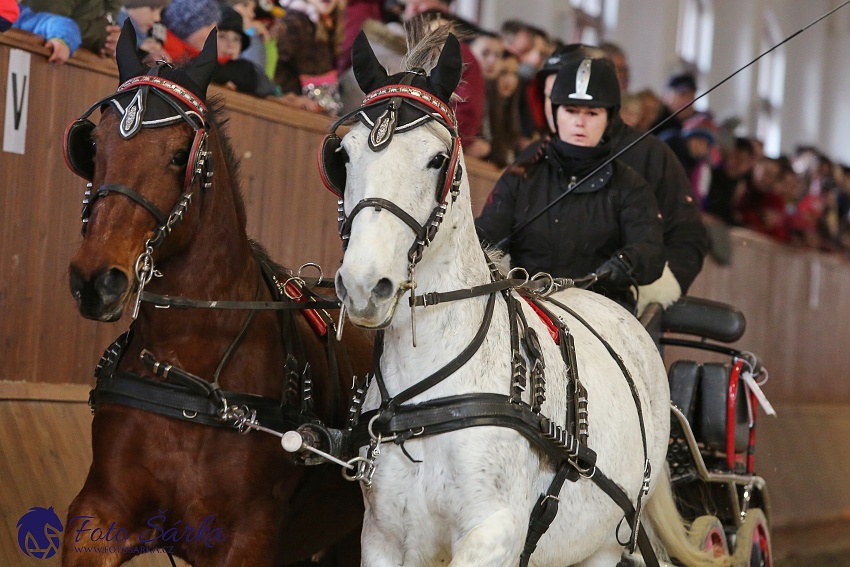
{"x":616,"y":272}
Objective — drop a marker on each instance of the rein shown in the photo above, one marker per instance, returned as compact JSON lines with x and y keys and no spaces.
{"x":302,"y":299}
{"x":188,"y":397}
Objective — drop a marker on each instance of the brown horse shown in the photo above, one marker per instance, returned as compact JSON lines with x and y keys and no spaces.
{"x":206,"y":492}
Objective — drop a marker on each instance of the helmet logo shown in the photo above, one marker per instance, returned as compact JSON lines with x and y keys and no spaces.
{"x":582,"y":81}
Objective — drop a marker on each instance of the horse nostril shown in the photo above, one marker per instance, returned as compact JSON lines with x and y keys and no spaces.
{"x":383,"y":289}
{"x":111,"y":285}
{"x":76,"y":283}
{"x":341,"y":292}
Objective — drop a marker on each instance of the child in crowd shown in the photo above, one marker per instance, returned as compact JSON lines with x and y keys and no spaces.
{"x":262,"y":50}
{"x":307,"y":37}
{"x":235,"y":73}
{"x":95,"y":18}
{"x":487,"y":48}
{"x":62,"y":34}
{"x":188,"y":24}
{"x":504,"y":112}
{"x":144,"y":15}
{"x":500,"y":128}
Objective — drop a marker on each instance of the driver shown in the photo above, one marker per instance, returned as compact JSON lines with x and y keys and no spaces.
{"x":608,"y":224}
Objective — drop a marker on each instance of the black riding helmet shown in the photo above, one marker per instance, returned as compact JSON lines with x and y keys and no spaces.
{"x":564,"y":55}
{"x":587,"y":82}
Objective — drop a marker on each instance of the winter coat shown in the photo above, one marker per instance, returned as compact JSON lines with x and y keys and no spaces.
{"x":612,"y":214}
{"x":9,"y":11}
{"x":685,"y":237}
{"x":305,"y":48}
{"x":50,"y":26}
{"x":90,"y":15}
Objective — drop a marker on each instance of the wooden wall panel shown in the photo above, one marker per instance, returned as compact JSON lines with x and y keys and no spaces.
{"x":798,"y":314}
{"x":797,"y":302}
{"x":47,"y":463}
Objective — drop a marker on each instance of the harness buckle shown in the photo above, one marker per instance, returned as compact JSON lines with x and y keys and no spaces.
{"x":365,"y":470}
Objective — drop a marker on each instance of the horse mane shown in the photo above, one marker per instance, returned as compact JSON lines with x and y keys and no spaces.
{"x":219,"y":122}
{"x":500,"y":258}
{"x":264,"y":259}
{"x":425,"y":43}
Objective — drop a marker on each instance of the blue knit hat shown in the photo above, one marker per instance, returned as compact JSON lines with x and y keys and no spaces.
{"x":185,"y":17}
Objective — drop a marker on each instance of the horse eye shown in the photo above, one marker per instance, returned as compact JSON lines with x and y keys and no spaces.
{"x":180,"y":159}
{"x":93,"y":147}
{"x":437,"y":161}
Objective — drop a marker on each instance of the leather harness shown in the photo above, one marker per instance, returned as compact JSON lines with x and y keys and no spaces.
{"x":394,"y":420}
{"x":567,"y":446}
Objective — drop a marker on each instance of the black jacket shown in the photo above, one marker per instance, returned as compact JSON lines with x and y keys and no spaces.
{"x":611,"y":214}
{"x":685,"y":237}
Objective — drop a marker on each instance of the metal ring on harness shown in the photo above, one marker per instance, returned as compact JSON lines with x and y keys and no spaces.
{"x":543,"y":276}
{"x":518,"y":269}
{"x":312,"y":265}
{"x":379,"y":438}
{"x":301,"y":284}
{"x":362,"y":463}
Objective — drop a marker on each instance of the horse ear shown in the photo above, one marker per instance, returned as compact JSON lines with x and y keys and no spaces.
{"x":368,"y":71}
{"x":201,"y":69}
{"x":129,"y":64}
{"x":446,"y":74}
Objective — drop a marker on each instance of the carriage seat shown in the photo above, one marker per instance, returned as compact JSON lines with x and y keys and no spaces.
{"x":704,"y":318}
{"x":700,"y":391}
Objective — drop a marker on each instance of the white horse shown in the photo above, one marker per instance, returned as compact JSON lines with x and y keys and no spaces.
{"x":463,"y":498}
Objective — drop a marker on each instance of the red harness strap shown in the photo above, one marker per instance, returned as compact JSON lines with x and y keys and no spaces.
{"x":550,"y":326}
{"x":315,"y":320}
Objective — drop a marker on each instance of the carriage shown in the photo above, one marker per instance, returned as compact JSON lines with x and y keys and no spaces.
{"x":697,"y":468}
{"x":713,"y":430}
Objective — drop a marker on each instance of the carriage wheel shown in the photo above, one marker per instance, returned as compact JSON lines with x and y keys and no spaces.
{"x":752,"y":543}
{"x":707,"y":533}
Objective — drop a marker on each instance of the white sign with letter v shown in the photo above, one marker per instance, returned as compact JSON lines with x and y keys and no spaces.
{"x":17,"y":102}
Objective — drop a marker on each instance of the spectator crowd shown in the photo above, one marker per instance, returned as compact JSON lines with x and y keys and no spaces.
{"x":297,"y":52}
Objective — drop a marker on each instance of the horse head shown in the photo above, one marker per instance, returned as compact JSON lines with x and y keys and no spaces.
{"x":148,"y":163}
{"x":395,"y":172}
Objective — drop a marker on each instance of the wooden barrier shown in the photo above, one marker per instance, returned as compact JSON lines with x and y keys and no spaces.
{"x":797,"y":305}
{"x":797,"y":302}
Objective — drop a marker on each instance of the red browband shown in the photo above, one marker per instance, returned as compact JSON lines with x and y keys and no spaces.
{"x":413,"y":93}
{"x":173,"y":89}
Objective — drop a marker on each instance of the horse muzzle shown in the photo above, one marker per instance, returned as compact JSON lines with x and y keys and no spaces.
{"x":370,"y":306}
{"x":100,"y":295}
